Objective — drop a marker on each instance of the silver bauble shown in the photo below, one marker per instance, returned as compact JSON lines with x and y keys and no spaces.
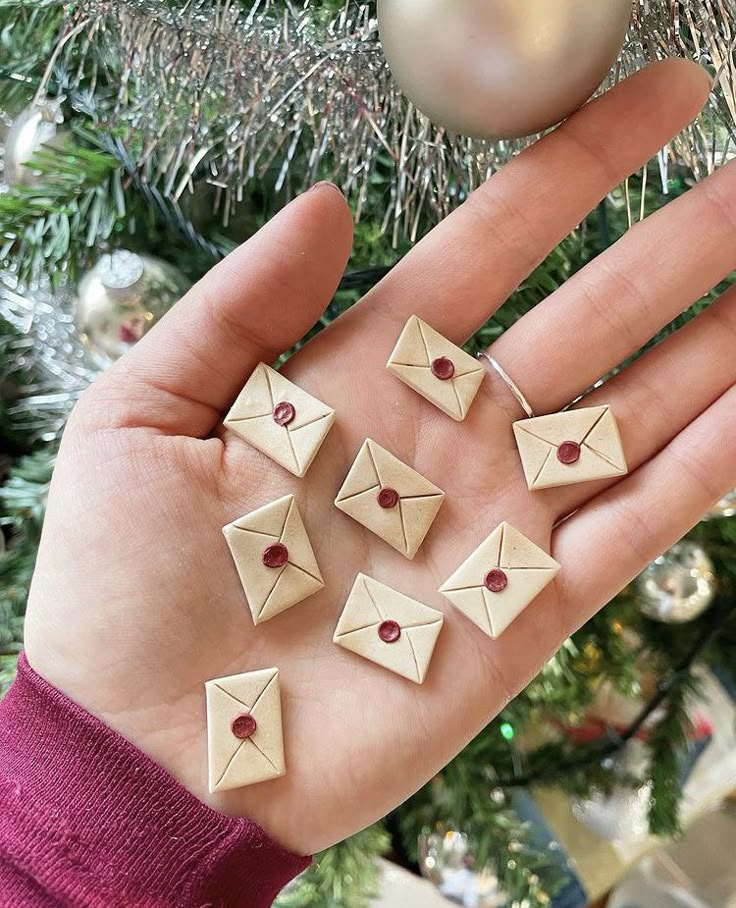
{"x":122,"y":296}
{"x":446,"y":859}
{"x":726,"y":507}
{"x":678,"y":586}
{"x":34,"y":127}
{"x":501,"y":69}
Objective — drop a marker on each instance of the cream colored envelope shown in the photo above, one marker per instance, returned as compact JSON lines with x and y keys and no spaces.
{"x":418,"y":347}
{"x":389,"y":628}
{"x":404,"y":525}
{"x":255,"y":753}
{"x":293,"y":445}
{"x":273,"y":589}
{"x":527,"y":571}
{"x":593,"y":429}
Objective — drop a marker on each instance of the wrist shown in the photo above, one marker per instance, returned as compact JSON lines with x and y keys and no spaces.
{"x":88,"y":809}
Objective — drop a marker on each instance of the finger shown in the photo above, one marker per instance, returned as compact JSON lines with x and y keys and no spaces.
{"x":607,"y":311}
{"x":613,"y":538}
{"x":463,"y":270}
{"x":251,"y":307}
{"x":659,"y":394}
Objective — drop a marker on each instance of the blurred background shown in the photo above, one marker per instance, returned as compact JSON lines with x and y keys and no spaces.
{"x":141,"y":141}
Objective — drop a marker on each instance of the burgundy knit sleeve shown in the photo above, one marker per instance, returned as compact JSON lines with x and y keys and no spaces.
{"x":86,"y":819}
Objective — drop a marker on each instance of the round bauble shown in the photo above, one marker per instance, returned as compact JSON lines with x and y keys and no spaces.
{"x":501,"y":69}
{"x":678,"y":586}
{"x":34,"y":127}
{"x":726,"y":507}
{"x":120,"y":298}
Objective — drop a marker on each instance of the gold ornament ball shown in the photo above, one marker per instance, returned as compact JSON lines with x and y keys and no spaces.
{"x":120,"y":298}
{"x":501,"y":69}
{"x":35,"y":126}
{"x":678,"y":586}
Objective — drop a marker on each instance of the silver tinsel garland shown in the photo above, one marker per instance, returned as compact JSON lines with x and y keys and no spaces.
{"x":48,"y":350}
{"x":212,"y":88}
{"x":209,"y":91}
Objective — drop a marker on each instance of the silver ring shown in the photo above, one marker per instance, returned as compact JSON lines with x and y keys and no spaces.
{"x":510,"y":384}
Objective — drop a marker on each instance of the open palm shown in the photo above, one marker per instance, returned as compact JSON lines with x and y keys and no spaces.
{"x":136,"y":602}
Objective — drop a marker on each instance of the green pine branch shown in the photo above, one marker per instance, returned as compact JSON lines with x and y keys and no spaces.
{"x":345,"y":876}
{"x":75,"y":206}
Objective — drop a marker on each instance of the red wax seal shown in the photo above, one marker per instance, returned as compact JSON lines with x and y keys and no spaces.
{"x":244,"y":726}
{"x":389,"y":631}
{"x":496,"y":581}
{"x":388,"y":498}
{"x":443,"y":368}
{"x":276,"y":555}
{"x":284,"y":413}
{"x":568,"y":452}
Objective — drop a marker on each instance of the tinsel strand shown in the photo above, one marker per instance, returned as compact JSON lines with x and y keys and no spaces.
{"x":233,"y":93}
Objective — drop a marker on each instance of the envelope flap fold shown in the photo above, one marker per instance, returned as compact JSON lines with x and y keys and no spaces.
{"x":474,"y":569}
{"x":604,"y":439}
{"x":271,"y":439}
{"x":397,"y":607}
{"x":361,"y":476}
{"x":470,"y":602}
{"x":248,"y":687}
{"x":254,"y":400}
{"x":410,"y":349}
{"x":422,"y":640}
{"x":268,"y":736}
{"x":249,"y":765}
{"x":397,"y":657}
{"x":292,"y":586}
{"x":466,"y":387}
{"x":416,"y":515}
{"x":527,"y":571}
{"x":438,"y":346}
{"x":397,"y":475}
{"x":369,"y":604}
{"x":534,"y":453}
{"x":443,"y":394}
{"x":307,"y":408}
{"x":360,"y":610}
{"x":570,"y":425}
{"x":233,"y":761}
{"x":268,"y":520}
{"x":307,"y":439}
{"x":294,"y":536}
{"x":519,"y":552}
{"x":271,"y":590}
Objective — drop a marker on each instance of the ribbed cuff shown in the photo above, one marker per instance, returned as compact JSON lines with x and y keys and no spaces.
{"x":87,"y":819}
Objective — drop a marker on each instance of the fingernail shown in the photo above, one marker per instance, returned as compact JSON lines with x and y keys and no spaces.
{"x":327,"y":183}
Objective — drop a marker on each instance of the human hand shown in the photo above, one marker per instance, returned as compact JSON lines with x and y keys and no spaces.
{"x":136,"y":602}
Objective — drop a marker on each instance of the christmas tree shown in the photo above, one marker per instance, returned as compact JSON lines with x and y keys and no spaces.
{"x":134,"y":160}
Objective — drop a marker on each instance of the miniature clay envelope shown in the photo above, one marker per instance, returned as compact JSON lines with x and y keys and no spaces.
{"x":389,"y":628}
{"x":280,"y":420}
{"x":574,"y":446}
{"x":389,"y":498}
{"x":245,"y":742}
{"x":274,"y":558}
{"x":497,"y":582}
{"x":434,"y":367}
